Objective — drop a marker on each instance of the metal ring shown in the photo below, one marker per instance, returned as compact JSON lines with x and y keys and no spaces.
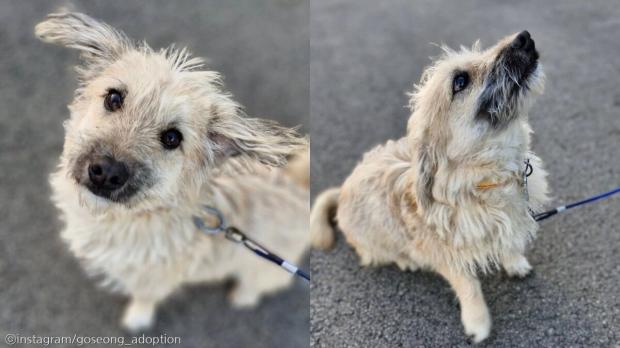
{"x":218,"y":228}
{"x":528,"y":168}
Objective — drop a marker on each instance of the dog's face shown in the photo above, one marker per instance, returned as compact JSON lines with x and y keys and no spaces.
{"x":481,"y":91}
{"x":472,"y":102}
{"x":149,"y":127}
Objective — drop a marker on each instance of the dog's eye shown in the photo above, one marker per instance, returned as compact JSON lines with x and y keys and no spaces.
{"x":460,"y":82}
{"x":171,"y":139}
{"x":113,"y":100}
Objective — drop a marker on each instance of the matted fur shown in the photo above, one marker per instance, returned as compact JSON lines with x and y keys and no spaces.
{"x":146,"y":245}
{"x":415,"y":201}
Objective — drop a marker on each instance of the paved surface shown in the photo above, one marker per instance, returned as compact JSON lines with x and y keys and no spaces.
{"x":261,"y":47}
{"x":365,"y":55}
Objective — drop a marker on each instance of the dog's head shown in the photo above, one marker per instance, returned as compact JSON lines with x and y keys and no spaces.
{"x":471,"y":105}
{"x":150,"y":126}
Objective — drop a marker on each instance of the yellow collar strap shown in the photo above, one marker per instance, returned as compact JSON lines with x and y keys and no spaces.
{"x":487,"y":184}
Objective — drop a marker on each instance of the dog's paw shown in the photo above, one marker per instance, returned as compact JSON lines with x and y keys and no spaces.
{"x":477,"y":328}
{"x":241,"y":298}
{"x":138,"y":317}
{"x":407,"y":265}
{"x":519,"y":267}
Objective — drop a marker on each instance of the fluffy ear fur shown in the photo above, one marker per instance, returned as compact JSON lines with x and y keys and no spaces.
{"x":95,"y":40}
{"x":426,"y":133}
{"x":98,"y":43}
{"x":427,"y":167}
{"x":254,"y":139}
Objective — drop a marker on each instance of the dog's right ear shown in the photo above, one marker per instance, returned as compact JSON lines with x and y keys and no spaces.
{"x":96,"y":41}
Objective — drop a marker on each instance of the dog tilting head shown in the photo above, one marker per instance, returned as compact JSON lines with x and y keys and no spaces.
{"x":149,"y":127}
{"x":150,"y":140}
{"x":486,"y":88}
{"x":472,"y":104}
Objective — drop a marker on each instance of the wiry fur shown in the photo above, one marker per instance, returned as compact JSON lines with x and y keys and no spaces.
{"x":415,"y":201}
{"x":145,"y":245}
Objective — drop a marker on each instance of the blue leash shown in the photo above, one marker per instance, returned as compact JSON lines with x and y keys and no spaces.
{"x":550,"y":213}
{"x":233,"y":234}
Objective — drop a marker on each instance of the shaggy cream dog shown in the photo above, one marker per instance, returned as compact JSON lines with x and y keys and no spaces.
{"x":451,"y":195}
{"x":151,"y":138}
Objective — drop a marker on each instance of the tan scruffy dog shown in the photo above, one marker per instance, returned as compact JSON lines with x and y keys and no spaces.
{"x":150,"y":139}
{"x":450,"y":196}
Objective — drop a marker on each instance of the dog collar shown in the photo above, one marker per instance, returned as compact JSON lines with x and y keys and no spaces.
{"x":488,"y":184}
{"x":527,"y":171}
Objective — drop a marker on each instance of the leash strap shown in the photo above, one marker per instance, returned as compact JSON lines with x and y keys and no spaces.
{"x":235,"y":235}
{"x":549,"y":213}
{"x":562,"y":208}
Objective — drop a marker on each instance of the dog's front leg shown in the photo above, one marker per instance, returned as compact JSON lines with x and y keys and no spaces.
{"x":474,"y":312}
{"x":516,"y":265}
{"x":139,"y":314}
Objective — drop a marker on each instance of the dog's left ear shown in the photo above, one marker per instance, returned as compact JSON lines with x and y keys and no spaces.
{"x":254,"y":139}
{"x":427,"y":167}
{"x":96,"y":41}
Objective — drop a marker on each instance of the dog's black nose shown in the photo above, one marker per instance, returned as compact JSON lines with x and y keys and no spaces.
{"x":523,"y":41}
{"x":107,"y":174}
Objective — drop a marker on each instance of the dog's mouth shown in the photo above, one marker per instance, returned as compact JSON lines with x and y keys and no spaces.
{"x":508,"y":81}
{"x":121,"y":195}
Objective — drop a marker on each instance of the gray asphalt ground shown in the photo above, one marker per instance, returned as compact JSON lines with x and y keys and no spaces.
{"x":261,"y":47}
{"x":365,"y":55}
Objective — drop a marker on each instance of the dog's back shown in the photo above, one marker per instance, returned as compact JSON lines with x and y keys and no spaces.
{"x":377,"y":179}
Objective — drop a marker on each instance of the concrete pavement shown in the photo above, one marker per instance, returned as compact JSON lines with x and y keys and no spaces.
{"x":261,"y":48}
{"x":365,"y":55}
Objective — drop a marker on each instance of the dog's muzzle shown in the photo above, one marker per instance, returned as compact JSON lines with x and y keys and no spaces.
{"x":507,"y":81}
{"x":108,"y":177}
{"x":520,"y":57}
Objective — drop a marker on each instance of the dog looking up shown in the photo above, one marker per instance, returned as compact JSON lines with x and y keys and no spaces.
{"x":150,"y":139}
{"x":449,"y":196}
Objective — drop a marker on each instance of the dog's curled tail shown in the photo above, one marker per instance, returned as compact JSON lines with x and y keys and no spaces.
{"x":321,"y":230}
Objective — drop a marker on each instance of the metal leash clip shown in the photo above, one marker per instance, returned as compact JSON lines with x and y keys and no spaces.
{"x":526,"y":173}
{"x":235,"y":235}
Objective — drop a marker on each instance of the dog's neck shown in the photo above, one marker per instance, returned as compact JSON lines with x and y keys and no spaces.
{"x":498,"y":159}
{"x":456,"y":187}
{"x":499,"y":155}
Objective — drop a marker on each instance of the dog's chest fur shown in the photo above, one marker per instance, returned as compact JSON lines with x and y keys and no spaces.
{"x":465,"y":227}
{"x":161,"y":249}
{"x":129,"y":251}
